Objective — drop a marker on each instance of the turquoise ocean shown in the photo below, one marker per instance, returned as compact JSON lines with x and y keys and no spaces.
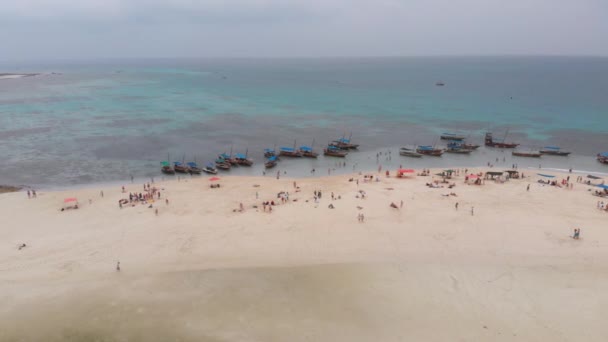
{"x":89,"y":122}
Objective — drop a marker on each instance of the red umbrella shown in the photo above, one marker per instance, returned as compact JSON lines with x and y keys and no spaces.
{"x":213,"y":179}
{"x":71,"y":199}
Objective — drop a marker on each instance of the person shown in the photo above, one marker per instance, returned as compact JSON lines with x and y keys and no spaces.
{"x":34,"y":193}
{"x":155,"y":211}
{"x":577,"y":233}
{"x":256,"y":195}
{"x":166,"y":201}
{"x":123,"y":189}
{"x":401,"y":206}
{"x":118,"y":266}
{"x":472,"y":211}
{"x":241,"y":207}
{"x":528,"y":187}
{"x":456,"y":205}
{"x":21,"y":246}
{"x":29,"y":195}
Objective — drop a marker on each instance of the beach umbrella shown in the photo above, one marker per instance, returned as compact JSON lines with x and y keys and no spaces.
{"x":70,"y":199}
{"x":213,"y":179}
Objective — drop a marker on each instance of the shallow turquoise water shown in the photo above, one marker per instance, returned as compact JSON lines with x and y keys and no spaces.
{"x":103,"y":121}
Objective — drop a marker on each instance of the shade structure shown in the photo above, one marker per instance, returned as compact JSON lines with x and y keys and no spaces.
{"x":70,"y":199}
{"x":214,"y":179}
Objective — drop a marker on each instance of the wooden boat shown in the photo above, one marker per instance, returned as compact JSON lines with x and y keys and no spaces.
{"x":166,"y":168}
{"x":269,"y":153}
{"x":180,"y":167}
{"x":457,"y":147}
{"x":333,"y":151}
{"x":491,"y":143}
{"x":458,"y":150}
{"x":227,"y":158}
{"x":470,"y":146}
{"x":271,"y":162}
{"x":222,"y":164}
{"x":602,"y":157}
{"x":530,"y":154}
{"x":429,"y":151}
{"x":210,"y":169}
{"x":241,"y":159}
{"x":554,"y":151}
{"x":193,"y":168}
{"x":345,"y":144}
{"x":452,"y":136}
{"x":409,"y":152}
{"x":289,"y":152}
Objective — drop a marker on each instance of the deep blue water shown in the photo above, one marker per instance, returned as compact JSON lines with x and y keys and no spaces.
{"x":105,"y":120}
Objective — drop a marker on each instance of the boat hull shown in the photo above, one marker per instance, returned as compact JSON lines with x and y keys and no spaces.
{"x":556,"y":153}
{"x":526,"y":154}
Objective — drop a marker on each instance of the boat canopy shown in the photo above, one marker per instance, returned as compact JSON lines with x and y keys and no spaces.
{"x":240,"y":156}
{"x":273,"y":158}
{"x":268,"y":150}
{"x":306,"y":148}
{"x":211,"y":165}
{"x":551,"y":148}
{"x":343,"y":140}
{"x":425,"y":148}
{"x":177,"y":163}
{"x":288,"y":149}
{"x":192,"y":164}
{"x":332,"y":147}
{"x":604,"y":154}
{"x":164,"y":163}
{"x":494,"y":173}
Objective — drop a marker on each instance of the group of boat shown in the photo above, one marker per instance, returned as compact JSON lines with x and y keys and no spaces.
{"x":225,"y":161}
{"x":456,"y":143}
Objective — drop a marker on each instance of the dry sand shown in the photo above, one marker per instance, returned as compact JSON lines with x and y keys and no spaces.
{"x":201,"y":272}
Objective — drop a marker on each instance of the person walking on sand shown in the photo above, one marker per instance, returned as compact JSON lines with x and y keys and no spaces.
{"x":528,"y":187}
{"x":118,"y":266}
{"x":401,"y":206}
{"x":34,"y":193}
{"x":156,"y":211}
{"x":472,"y":211}
{"x":101,"y":193}
{"x":456,"y":205}
{"x":577,"y":233}
{"x":166,"y":201}
{"x":29,"y":194}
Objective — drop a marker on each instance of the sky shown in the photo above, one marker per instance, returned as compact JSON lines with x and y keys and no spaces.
{"x":86,"y":29}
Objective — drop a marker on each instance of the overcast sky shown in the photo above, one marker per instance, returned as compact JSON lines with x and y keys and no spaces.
{"x":81,"y":29}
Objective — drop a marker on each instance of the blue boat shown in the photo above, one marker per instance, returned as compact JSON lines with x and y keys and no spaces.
{"x":271,"y":162}
{"x":180,"y":167}
{"x":193,"y":168}
{"x":289,"y":152}
{"x":334,"y":151}
{"x":602,"y":157}
{"x":308,"y":152}
{"x":242,"y":159}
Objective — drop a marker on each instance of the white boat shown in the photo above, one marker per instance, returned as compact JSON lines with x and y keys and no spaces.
{"x":409,"y":152}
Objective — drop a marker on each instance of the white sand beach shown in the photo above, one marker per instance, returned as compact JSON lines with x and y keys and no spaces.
{"x":201,"y":270}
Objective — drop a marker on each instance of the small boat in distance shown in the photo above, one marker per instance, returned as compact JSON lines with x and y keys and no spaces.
{"x":554,"y":151}
{"x":440,"y":84}
{"x":193,"y":168}
{"x":470,"y":146}
{"x":457,"y":147}
{"x":308,"y":152}
{"x":452,"y":136}
{"x":269,"y":152}
{"x":491,"y":143}
{"x":333,"y":151}
{"x":210,"y":169}
{"x":345,"y":144}
{"x":429,"y":151}
{"x":241,"y":159}
{"x":602,"y":157}
{"x":222,"y":163}
{"x":166,"y":168}
{"x":409,"y":152}
{"x":271,"y":162}
{"x":289,"y":152}
{"x":530,"y":154}
{"x":179,"y":167}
